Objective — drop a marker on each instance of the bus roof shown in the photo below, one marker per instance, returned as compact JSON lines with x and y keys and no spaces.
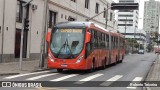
{"x":73,"y":24}
{"x":79,"y":24}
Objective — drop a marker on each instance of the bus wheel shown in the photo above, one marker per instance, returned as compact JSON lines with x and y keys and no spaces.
{"x":121,"y":59}
{"x":116,"y":62}
{"x":60,"y":70}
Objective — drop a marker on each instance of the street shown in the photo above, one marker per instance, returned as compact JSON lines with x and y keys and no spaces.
{"x":135,"y":67}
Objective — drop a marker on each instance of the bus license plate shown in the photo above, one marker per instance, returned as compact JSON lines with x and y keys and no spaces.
{"x":64,"y":65}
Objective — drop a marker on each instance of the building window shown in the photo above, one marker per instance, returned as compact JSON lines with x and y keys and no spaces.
{"x":61,"y":15}
{"x":19,"y":13}
{"x":125,"y":15}
{"x":97,"y":8}
{"x":125,"y":24}
{"x":125,"y":11}
{"x":130,"y":20}
{"x":66,"y":17}
{"x":87,"y":4}
{"x":111,"y":15}
{"x":73,"y":0}
{"x":71,"y":18}
{"x":52,"y":19}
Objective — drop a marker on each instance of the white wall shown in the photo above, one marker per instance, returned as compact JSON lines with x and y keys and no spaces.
{"x":10,"y":19}
{"x":36,"y":26}
{"x":1,"y":21}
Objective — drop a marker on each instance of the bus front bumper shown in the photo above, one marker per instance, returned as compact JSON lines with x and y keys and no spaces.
{"x":73,"y":66}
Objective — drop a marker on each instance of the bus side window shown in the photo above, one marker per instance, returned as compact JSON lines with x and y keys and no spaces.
{"x":95,"y":40}
{"x":107,"y":38}
{"x":92,"y":39}
{"x":100,"y":40}
{"x":112,"y":42}
{"x":103,"y":39}
{"x":116,"y":42}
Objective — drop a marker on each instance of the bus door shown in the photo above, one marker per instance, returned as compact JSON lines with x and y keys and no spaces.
{"x":119,"y":48}
{"x":110,"y":48}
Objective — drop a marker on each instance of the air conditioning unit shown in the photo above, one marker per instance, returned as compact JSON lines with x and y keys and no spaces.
{"x":34,"y":7}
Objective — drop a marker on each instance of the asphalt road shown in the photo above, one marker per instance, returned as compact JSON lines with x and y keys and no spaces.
{"x":134,"y":68}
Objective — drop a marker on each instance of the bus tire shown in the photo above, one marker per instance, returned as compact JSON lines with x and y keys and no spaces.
{"x":116,"y":62}
{"x":60,"y":70}
{"x":122,"y":59}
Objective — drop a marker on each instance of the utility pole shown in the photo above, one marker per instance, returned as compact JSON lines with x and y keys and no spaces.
{"x":134,"y":39}
{"x":158,"y":34}
{"x":125,"y":28}
{"x":42,"y":57}
{"x":22,"y":31}
{"x":140,"y":40}
{"x":88,"y":19}
{"x":106,"y":17}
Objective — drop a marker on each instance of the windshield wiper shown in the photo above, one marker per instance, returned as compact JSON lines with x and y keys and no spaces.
{"x":63,"y":46}
{"x":71,"y":55}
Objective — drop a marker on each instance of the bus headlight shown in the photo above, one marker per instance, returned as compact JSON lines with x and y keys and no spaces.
{"x":50,"y":57}
{"x":79,"y":60}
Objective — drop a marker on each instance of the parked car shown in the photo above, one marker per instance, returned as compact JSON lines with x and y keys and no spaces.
{"x":157,"y":51}
{"x":141,"y":51}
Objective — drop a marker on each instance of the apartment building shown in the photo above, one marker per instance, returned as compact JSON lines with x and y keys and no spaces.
{"x":128,"y":20}
{"x":151,"y":16}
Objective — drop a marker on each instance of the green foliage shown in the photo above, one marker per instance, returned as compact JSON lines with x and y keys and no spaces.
{"x":132,"y":41}
{"x":149,"y":47}
{"x":136,"y":45}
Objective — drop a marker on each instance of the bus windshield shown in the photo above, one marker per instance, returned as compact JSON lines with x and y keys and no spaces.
{"x":67,"y":43}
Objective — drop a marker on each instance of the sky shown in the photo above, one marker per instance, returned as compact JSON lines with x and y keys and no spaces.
{"x":141,"y":12}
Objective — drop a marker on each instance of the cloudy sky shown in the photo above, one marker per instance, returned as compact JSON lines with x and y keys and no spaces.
{"x":141,"y":9}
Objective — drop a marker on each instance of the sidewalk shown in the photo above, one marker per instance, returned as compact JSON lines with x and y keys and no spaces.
{"x":154,"y":73}
{"x":12,"y":68}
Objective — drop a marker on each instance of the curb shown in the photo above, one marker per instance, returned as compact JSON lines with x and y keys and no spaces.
{"x":41,"y":70}
{"x":148,"y":88}
{"x":38,"y":70}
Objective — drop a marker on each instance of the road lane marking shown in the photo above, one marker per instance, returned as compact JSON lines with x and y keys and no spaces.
{"x":26,"y":74}
{"x":111,"y":80}
{"x":91,"y":77}
{"x":135,"y":79}
{"x":42,"y":76}
{"x":115,"y":78}
{"x":88,"y":78}
{"x":47,"y":88}
{"x":64,"y":77}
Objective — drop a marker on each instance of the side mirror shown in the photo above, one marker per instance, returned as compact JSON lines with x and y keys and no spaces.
{"x":88,"y":37}
{"x":48,"y":37}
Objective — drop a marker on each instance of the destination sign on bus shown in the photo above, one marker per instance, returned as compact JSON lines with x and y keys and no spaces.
{"x":71,"y":30}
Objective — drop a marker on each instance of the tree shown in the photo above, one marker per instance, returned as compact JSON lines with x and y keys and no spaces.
{"x":149,"y":47}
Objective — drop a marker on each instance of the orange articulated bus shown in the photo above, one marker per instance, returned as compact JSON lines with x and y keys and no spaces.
{"x":83,"y":46}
